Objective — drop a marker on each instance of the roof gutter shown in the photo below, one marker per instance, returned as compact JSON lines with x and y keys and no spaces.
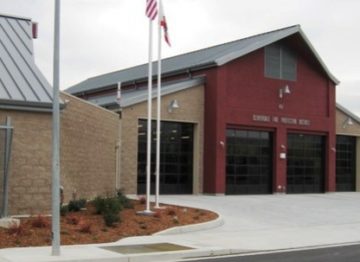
{"x":28,"y":106}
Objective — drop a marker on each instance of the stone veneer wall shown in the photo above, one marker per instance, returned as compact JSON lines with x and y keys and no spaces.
{"x":88,"y":140}
{"x":89,"y":136}
{"x":30,"y":166}
{"x":191,"y":102}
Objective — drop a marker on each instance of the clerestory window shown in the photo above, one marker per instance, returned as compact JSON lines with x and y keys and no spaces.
{"x":280,"y":62}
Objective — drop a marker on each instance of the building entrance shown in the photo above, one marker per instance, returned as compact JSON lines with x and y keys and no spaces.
{"x":176,"y":157}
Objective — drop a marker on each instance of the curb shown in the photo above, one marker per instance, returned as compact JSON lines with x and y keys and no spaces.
{"x":219,"y":221}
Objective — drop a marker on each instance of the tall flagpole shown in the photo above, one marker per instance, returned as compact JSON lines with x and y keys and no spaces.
{"x":56,"y":138}
{"x":148,"y":158}
{"x":158,"y":119}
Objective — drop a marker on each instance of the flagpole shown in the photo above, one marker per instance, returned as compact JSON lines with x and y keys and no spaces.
{"x":158,"y":131}
{"x":118,"y":145}
{"x":56,"y":138}
{"x":148,"y":158}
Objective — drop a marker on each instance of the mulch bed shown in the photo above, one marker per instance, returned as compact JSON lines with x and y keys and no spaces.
{"x":85,"y":227}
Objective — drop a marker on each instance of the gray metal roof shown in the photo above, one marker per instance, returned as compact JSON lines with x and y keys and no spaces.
{"x":208,"y":57}
{"x":136,"y":96}
{"x":348,"y":113}
{"x":22,"y":85}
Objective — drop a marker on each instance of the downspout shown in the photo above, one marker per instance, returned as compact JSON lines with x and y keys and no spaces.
{"x":118,"y":155}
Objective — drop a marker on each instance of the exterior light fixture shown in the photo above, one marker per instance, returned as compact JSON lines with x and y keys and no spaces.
{"x":173,"y":105}
{"x":348,"y":122}
{"x":284,"y":90}
{"x":118,"y":94}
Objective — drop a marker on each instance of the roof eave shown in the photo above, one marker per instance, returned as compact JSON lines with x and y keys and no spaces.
{"x":15,"y":17}
{"x":144,"y":79}
{"x":348,"y":112}
{"x":253,"y":47}
{"x":330,"y":75}
{"x":175,"y":87}
{"x":28,"y":106}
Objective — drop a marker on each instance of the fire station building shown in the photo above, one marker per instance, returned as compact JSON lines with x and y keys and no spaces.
{"x":253,"y":116}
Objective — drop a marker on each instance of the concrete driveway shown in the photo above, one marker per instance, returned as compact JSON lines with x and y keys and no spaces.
{"x":251,"y":224}
{"x":268,"y":222}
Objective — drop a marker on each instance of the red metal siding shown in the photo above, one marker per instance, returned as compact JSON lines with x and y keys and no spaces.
{"x":237,"y":91}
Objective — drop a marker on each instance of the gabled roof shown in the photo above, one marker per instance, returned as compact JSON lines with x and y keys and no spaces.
{"x":22,"y":85}
{"x":204,"y":58}
{"x":348,"y":113}
{"x":136,"y":96}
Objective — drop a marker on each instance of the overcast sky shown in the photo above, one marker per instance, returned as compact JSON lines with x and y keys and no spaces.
{"x":100,"y":36}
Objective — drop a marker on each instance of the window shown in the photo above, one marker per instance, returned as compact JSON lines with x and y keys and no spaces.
{"x":280,"y":62}
{"x":176,"y":157}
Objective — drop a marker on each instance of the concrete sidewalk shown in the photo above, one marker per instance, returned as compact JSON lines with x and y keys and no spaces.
{"x":251,"y":224}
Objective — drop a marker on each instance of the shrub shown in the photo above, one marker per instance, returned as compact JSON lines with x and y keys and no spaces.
{"x":40,"y":222}
{"x":125,"y":202}
{"x":82,"y":202}
{"x":103,"y":205}
{"x":109,"y":208}
{"x":76,"y":205}
{"x":64,"y":210}
{"x":99,"y":204}
{"x":113,"y":204}
{"x":110,"y":218}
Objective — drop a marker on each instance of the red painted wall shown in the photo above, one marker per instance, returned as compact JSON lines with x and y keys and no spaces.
{"x":237,"y":91}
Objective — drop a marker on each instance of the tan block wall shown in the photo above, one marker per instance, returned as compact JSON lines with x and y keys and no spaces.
{"x":351,"y":130}
{"x":358,"y":163}
{"x":89,"y":136}
{"x":30,"y":166}
{"x":88,"y":158}
{"x":191,"y":110}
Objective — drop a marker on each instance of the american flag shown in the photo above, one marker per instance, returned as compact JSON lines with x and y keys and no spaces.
{"x":151,"y":9}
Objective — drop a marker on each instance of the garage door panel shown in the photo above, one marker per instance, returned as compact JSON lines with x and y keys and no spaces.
{"x":305,"y":163}
{"x":248,"y":162}
{"x":345,"y":163}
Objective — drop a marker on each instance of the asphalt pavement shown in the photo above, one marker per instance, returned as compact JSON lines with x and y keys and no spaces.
{"x":348,"y":253}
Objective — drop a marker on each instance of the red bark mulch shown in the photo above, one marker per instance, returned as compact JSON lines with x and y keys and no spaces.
{"x":85,"y":227}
